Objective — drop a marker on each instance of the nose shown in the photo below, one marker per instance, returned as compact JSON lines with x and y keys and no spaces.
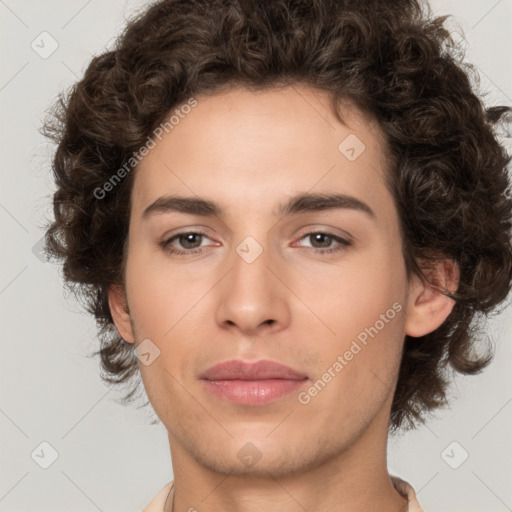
{"x":253,"y":297}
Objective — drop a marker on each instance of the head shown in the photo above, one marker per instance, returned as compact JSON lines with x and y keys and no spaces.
{"x":248,"y":106}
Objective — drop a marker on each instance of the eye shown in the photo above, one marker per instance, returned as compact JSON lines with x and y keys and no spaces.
{"x":325,"y":241}
{"x":188,"y":241}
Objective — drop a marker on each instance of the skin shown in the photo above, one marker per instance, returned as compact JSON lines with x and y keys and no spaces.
{"x":250,"y":152}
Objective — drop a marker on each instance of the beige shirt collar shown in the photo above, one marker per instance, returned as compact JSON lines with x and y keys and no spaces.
{"x":158,"y":502}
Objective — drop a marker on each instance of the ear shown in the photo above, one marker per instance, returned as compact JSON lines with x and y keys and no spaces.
{"x":120,"y":313}
{"x":427,"y":306}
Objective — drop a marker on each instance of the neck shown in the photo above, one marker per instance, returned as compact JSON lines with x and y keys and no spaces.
{"x":356,"y":478}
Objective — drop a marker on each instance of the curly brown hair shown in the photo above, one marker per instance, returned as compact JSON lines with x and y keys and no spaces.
{"x":393,"y":59}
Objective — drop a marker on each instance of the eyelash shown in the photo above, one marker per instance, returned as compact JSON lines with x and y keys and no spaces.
{"x":343,"y":244}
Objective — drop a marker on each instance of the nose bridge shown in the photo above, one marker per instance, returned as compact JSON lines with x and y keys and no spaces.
{"x":251,"y":294}
{"x":251,"y":261}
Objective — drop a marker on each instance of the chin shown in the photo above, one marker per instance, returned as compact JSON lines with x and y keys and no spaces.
{"x":259,"y":456}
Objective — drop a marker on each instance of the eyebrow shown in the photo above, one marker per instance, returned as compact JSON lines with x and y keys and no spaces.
{"x":300,"y":203}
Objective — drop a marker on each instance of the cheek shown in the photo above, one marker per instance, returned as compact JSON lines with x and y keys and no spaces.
{"x":160,"y":297}
{"x":355,"y":373}
{"x":363,"y":306}
{"x":168,"y":308}
{"x":354,"y":297}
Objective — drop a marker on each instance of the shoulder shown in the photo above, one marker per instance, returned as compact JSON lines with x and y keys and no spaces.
{"x":408,"y":492}
{"x":158,"y":502}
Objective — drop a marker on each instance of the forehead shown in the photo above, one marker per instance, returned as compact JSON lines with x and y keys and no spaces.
{"x":248,"y":148}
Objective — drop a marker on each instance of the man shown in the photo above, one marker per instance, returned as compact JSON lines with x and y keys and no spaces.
{"x":344,"y":227}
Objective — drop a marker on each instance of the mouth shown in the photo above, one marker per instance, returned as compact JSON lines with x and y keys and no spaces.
{"x":246,"y":383}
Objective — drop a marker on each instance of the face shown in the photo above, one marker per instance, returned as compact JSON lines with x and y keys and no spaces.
{"x":319,"y":287}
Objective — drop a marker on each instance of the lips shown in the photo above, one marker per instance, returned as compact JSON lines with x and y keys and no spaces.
{"x":259,"y":383}
{"x":260,"y":370}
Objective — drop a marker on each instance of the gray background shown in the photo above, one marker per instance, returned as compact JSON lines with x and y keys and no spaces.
{"x":110,"y":457}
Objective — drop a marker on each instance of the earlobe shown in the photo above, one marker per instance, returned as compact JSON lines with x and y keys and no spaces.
{"x":427,"y":305}
{"x":119,"y":311}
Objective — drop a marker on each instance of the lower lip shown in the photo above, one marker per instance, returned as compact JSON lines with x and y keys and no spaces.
{"x":252,"y":392}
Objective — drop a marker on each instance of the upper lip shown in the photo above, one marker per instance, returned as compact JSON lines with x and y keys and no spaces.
{"x":260,"y":370}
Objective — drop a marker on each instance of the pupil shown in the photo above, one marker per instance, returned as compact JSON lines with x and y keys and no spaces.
{"x":188,"y":238}
{"x":318,"y":237}
{"x":321,"y":235}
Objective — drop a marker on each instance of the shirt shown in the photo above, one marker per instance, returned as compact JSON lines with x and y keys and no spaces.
{"x":158,"y":502}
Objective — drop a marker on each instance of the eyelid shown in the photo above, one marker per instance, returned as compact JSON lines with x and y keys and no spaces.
{"x":341,"y":242}
{"x":196,"y":230}
{"x":307,"y":230}
{"x":168,"y":238}
{"x":328,"y":230}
